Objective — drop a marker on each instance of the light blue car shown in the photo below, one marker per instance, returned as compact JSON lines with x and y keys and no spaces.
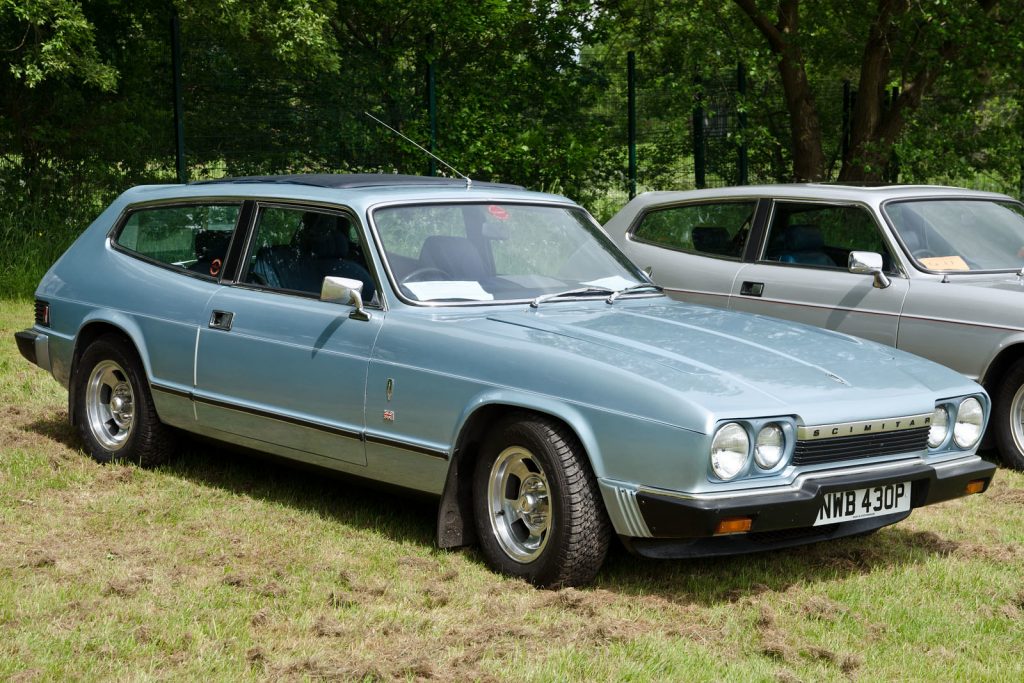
{"x":490,"y":346}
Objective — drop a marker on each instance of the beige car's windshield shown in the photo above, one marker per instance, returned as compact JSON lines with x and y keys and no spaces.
{"x":958,"y":235}
{"x":498,"y":252}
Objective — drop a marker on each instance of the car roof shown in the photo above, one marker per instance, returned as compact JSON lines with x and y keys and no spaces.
{"x":822,"y":191}
{"x":353,"y":180}
{"x":357,"y":191}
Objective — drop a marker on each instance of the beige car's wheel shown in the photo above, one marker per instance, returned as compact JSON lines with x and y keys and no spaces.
{"x":1008,"y":417}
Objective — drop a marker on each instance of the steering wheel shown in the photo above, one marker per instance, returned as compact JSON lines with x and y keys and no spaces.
{"x":923,"y":253}
{"x":417,"y":275}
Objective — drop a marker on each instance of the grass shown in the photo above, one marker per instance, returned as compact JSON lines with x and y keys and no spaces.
{"x":222,"y":566}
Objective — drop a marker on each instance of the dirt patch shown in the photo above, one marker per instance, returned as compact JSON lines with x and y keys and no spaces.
{"x":823,"y":609}
{"x":128,"y":586}
{"x":774,"y":644}
{"x":931,"y":542}
{"x":999,"y":492}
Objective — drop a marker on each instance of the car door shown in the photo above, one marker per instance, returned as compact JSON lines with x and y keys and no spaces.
{"x":177,"y":250}
{"x":801,"y":273}
{"x":274,"y":364}
{"x":695,"y":249}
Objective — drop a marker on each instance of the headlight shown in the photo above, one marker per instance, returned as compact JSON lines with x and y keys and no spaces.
{"x":970,"y":418}
{"x":729,"y":451}
{"x":770,"y":446}
{"x":940,"y":427}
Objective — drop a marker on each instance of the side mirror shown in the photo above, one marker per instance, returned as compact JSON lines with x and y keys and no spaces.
{"x":347,"y":291}
{"x":868,"y":263}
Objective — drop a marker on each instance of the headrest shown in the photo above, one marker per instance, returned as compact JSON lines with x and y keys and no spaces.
{"x":710,"y":238}
{"x":324,"y":235}
{"x":454,"y":255}
{"x":211,"y":244}
{"x":803,"y":238}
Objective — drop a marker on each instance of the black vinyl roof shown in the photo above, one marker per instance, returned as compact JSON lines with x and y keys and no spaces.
{"x":354,"y":180}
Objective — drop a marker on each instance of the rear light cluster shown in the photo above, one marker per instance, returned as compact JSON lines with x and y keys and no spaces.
{"x":42,"y":313}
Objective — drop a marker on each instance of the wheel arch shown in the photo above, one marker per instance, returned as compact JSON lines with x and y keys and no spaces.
{"x":455,"y":526}
{"x":92,"y":328}
{"x":1012,"y":350}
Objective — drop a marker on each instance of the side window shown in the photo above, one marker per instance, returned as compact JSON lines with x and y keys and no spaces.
{"x":822,"y":235}
{"x":193,"y":238}
{"x":711,"y":229}
{"x":295,"y":249}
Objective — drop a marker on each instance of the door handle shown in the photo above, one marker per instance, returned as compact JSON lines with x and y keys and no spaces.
{"x":221,"y":320}
{"x":752,"y":288}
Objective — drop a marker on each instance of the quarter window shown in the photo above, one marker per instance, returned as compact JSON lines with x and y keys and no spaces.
{"x":822,"y":235}
{"x":192,"y":238}
{"x":713,"y":229}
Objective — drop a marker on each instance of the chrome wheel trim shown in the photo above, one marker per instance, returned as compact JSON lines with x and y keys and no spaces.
{"x":109,"y":405}
{"x":1016,"y":417}
{"x":519,"y":503}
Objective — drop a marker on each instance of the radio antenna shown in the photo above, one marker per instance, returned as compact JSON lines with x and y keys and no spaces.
{"x":469,"y":181}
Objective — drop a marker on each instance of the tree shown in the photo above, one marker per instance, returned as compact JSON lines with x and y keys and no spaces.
{"x":906,"y":45}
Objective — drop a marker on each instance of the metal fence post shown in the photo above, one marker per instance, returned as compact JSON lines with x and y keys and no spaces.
{"x":432,"y":105}
{"x":631,"y":104}
{"x":179,"y":106}
{"x":741,"y":88}
{"x":699,"y":162}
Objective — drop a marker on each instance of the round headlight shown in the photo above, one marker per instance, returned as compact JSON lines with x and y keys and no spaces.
{"x":770,"y":446}
{"x":970,"y":419}
{"x":729,"y":451}
{"x":940,"y":427}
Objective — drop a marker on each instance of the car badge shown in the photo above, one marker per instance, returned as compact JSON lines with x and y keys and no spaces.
{"x":837,"y":378}
{"x":389,"y":416}
{"x":389,"y":388}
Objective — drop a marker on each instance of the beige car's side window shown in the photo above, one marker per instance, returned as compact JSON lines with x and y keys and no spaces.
{"x":822,"y":235}
{"x":718,"y":229}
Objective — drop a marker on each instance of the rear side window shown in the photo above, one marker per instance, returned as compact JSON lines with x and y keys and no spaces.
{"x":192,"y":238}
{"x":718,"y":229}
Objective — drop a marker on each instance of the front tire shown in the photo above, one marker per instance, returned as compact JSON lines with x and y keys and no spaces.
{"x":538,"y":510}
{"x":114,"y":409}
{"x":1008,"y":417}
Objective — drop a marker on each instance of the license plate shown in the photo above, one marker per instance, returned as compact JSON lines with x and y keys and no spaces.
{"x":843,"y":506}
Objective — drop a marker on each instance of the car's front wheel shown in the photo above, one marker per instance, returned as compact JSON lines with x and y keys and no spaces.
{"x":114,"y":409}
{"x":1008,"y":417}
{"x":538,"y":510}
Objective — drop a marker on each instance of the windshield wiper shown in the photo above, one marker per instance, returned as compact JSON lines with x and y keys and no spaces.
{"x":570,"y":292}
{"x":632,"y":288}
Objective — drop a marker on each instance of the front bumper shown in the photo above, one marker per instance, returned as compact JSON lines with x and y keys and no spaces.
{"x":684,"y":526}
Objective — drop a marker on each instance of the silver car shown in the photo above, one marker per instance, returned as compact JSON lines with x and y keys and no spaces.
{"x":936,"y":271}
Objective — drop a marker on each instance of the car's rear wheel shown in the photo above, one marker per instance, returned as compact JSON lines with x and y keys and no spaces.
{"x":1008,"y":417}
{"x":114,"y":409}
{"x":538,"y":510}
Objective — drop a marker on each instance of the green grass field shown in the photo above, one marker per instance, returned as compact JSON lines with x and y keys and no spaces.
{"x":222,"y":566}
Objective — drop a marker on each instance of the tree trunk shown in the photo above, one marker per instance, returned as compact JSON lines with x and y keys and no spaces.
{"x":804,"y":124}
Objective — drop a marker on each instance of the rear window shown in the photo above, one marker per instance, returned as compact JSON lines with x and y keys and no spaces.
{"x":192,"y":238}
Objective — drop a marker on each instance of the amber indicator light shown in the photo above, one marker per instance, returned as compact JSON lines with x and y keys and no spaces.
{"x":976,"y":486}
{"x":733,"y":525}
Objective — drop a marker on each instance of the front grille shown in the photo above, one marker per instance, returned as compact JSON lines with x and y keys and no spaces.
{"x":861,"y":446}
{"x":42,"y":313}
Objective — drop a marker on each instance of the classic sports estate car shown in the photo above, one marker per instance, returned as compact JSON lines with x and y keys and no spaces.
{"x":490,"y":346}
{"x":936,"y":271}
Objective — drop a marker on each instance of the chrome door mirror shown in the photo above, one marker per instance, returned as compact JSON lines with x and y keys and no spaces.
{"x":868,"y":263}
{"x":345,"y":290}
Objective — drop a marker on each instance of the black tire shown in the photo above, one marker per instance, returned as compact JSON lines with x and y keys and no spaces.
{"x":1007,"y":411}
{"x":558,"y":539}
{"x":114,"y":409}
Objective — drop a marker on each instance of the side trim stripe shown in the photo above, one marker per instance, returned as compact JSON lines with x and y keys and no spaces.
{"x":309,"y":424}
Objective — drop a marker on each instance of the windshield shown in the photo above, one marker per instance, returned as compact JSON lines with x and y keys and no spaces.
{"x":956,"y":235}
{"x":498,"y":252}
